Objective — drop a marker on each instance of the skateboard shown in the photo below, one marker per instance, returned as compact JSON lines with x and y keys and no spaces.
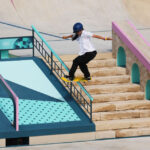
{"x":76,"y":79}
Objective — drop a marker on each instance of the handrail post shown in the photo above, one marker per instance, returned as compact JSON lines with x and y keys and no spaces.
{"x":0,"y":55}
{"x":52,"y":61}
{"x":91,"y":111}
{"x":33,"y":42}
{"x":70,"y":88}
{"x":15,"y":100}
{"x":16,"y":116}
{"x":42,"y":44}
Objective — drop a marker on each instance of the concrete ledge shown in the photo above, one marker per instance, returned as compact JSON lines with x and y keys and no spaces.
{"x":105,"y":134}
{"x":62,"y":138}
{"x":2,"y":143}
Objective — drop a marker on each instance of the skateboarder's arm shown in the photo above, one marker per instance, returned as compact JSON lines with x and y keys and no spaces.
{"x":67,"y":37}
{"x":100,"y":37}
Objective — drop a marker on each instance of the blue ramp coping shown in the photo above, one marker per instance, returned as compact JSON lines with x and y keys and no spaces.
{"x":45,"y":106}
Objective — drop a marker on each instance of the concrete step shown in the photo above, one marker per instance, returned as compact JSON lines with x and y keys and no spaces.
{"x":132,"y":132}
{"x":121,"y":105}
{"x":116,"y":115}
{"x":112,"y":88}
{"x":109,"y":80}
{"x":100,"y":98}
{"x":107,"y":55}
{"x":97,"y":63}
{"x":122,"y":124}
{"x":96,"y":72}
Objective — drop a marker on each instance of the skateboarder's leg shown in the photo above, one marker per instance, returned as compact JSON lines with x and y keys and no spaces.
{"x":84,"y":69}
{"x":81,"y":61}
{"x":87,"y":57}
{"x":75,"y":65}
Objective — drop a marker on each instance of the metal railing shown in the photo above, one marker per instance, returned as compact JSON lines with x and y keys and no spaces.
{"x":79,"y":93}
{"x":15,"y":100}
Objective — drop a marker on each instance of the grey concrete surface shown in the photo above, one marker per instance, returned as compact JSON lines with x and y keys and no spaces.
{"x":140,"y":143}
{"x":57,"y":17}
{"x":138,"y":10}
{"x":146,"y":34}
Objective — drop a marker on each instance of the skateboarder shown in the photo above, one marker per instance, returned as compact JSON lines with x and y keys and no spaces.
{"x":87,"y":50}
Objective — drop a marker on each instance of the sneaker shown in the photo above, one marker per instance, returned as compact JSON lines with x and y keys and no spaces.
{"x":69,"y":77}
{"x":87,"y":78}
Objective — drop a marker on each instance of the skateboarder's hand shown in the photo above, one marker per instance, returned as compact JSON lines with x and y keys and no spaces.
{"x":109,"y":38}
{"x":101,"y":37}
{"x":64,"y":37}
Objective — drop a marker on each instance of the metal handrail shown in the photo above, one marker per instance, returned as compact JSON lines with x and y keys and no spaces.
{"x":57,"y":69}
{"x":59,"y":59}
{"x":15,"y":102}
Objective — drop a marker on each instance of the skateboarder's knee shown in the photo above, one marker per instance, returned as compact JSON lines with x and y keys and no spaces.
{"x":76,"y":61}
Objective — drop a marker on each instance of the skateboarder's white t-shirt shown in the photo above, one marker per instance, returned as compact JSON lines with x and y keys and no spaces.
{"x":85,"y":42}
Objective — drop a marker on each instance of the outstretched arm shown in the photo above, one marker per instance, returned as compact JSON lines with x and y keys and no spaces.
{"x":100,"y":37}
{"x":67,"y":37}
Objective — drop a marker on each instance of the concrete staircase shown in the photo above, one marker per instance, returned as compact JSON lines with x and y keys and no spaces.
{"x":119,"y":108}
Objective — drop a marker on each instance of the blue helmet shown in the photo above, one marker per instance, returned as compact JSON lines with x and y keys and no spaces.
{"x":77,"y":27}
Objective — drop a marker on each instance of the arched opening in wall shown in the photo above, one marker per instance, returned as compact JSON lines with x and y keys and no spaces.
{"x":147,"y":91}
{"x":121,"y":57}
{"x":135,"y":74}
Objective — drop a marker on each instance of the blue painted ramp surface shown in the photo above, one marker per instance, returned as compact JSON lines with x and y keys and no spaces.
{"x":45,"y":106}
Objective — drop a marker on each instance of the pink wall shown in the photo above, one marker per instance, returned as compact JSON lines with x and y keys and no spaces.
{"x":131,"y":45}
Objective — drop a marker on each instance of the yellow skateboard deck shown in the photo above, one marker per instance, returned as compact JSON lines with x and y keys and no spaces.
{"x":76,"y":79}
